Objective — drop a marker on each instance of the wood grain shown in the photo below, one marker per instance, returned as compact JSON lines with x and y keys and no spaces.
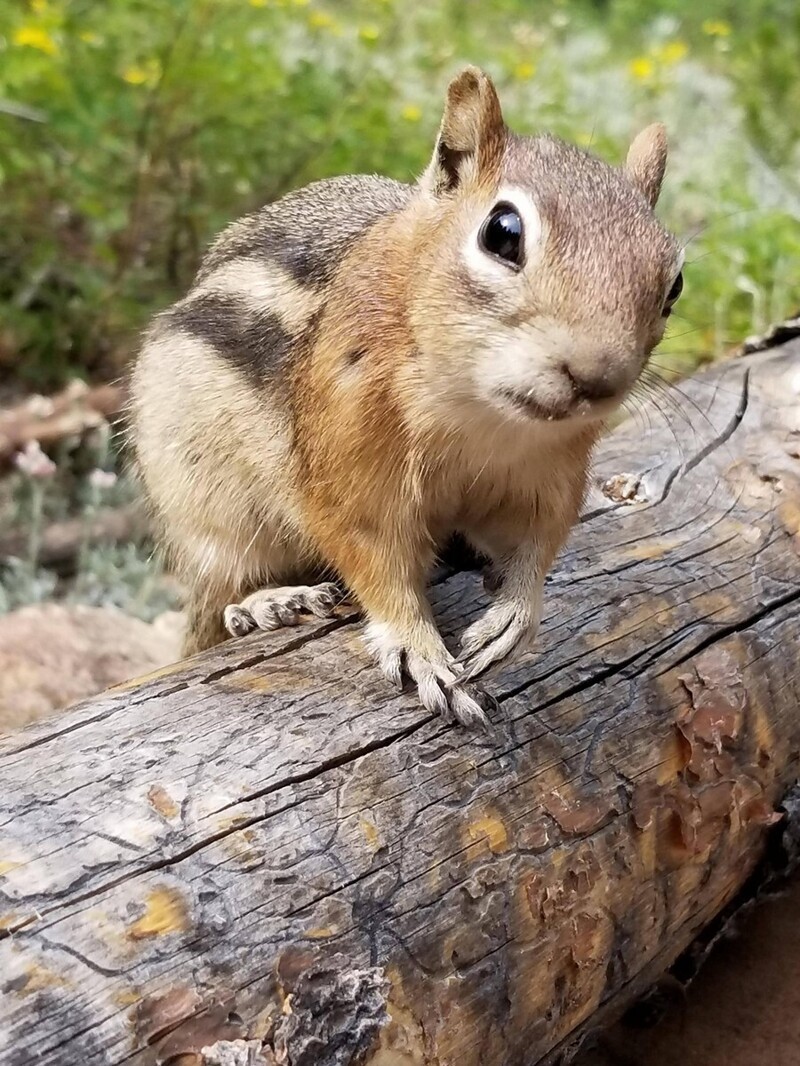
{"x":265,"y":853}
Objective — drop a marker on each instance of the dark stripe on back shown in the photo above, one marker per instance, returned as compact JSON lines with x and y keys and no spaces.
{"x":306,"y":262}
{"x":308,"y":232}
{"x":254,"y":342}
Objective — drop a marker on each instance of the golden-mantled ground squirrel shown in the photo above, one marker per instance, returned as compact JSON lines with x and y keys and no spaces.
{"x":365,"y":367}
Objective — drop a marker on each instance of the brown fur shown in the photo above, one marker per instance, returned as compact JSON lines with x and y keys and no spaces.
{"x":380,"y":417}
{"x":647,"y":161}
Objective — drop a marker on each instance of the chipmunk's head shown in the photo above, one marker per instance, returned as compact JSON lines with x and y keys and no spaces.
{"x":542,"y":279}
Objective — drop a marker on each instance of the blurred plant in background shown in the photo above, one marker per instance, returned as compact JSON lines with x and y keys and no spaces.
{"x":132,"y":130}
{"x":70,"y":494}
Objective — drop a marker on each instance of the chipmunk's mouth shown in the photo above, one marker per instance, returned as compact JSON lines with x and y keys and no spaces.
{"x":542,"y":411}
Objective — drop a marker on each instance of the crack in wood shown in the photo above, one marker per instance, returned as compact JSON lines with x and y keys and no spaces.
{"x":242,"y":824}
{"x":736,"y":627}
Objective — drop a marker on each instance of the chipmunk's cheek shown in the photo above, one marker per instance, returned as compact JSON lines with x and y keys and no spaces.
{"x":541,"y":372}
{"x":519,"y":376}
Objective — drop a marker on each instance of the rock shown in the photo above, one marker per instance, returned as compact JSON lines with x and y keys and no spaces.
{"x":52,"y":655}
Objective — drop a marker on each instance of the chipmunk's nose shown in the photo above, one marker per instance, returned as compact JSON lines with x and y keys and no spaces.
{"x":603,"y":384}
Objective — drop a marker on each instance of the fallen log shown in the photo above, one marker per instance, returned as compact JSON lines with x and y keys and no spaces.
{"x":72,"y":413}
{"x":264,"y":856}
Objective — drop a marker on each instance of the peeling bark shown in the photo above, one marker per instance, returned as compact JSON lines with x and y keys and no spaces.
{"x":262,"y":855}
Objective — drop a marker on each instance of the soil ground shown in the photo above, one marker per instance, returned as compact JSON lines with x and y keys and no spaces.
{"x":743,"y":1009}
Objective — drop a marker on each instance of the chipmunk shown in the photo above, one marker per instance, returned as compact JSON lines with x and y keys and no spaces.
{"x":365,"y":367}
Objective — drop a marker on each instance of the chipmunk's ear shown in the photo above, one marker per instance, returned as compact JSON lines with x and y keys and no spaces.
{"x":647,"y":161}
{"x":472,"y":134}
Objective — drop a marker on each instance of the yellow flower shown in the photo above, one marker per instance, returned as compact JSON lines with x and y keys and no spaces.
{"x":717,"y":28}
{"x":147,"y":73}
{"x":134,"y":75}
{"x":320,"y":20}
{"x":35,"y":37}
{"x":642,"y":69}
{"x":39,"y":6}
{"x":672,"y":52}
{"x":524,"y":71}
{"x":411,"y":113}
{"x":369,"y":33}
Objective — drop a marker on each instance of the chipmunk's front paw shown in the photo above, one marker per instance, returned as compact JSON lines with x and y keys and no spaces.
{"x":507,"y":627}
{"x":272,"y":608}
{"x":437,"y":678}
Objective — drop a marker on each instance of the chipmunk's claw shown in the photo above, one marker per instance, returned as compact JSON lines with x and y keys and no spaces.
{"x":272,"y":608}
{"x":439,"y":685}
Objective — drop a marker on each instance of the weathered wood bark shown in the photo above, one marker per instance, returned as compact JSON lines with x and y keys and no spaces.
{"x":264,"y":844}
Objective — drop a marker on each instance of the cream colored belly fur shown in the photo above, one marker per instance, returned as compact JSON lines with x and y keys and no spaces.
{"x":218,"y":464}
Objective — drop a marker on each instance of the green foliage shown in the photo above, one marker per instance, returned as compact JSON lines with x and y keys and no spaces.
{"x":132,"y":130}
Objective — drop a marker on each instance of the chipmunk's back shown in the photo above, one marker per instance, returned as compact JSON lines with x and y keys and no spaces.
{"x":210,"y":388}
{"x":308,"y":231}
{"x":264,"y":278}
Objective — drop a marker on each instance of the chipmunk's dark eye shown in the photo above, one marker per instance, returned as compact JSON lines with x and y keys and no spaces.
{"x":673,"y":294}
{"x":501,"y":235}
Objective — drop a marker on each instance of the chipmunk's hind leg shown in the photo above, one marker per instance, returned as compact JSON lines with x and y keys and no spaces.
{"x":271,"y":608}
{"x":205,"y":626}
